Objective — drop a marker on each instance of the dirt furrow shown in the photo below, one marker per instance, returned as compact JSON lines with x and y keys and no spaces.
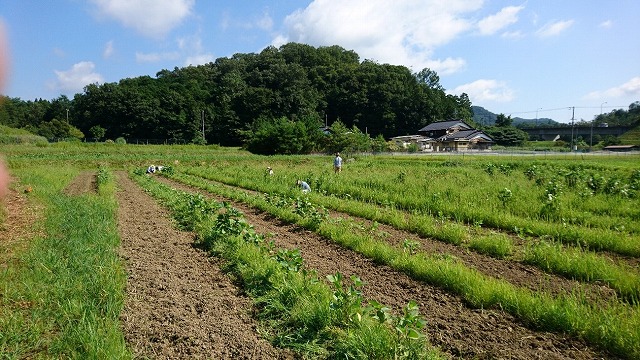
{"x":178,"y":303}
{"x":458,"y":330}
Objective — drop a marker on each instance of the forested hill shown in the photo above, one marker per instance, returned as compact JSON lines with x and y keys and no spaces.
{"x":295,"y":81}
{"x":485,"y":117}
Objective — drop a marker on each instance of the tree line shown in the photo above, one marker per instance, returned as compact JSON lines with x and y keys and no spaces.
{"x":239,"y":99}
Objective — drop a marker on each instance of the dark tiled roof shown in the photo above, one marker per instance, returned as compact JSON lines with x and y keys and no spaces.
{"x":464,"y":134}
{"x":444,"y":125}
{"x":618,"y":147}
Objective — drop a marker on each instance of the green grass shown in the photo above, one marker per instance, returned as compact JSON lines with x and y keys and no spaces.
{"x":62,"y":299}
{"x":631,"y":137}
{"x":498,"y":246}
{"x":452,"y":198}
{"x":586,"y":266}
{"x":10,"y":135}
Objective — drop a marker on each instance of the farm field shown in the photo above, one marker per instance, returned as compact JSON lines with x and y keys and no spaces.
{"x":501,"y":257}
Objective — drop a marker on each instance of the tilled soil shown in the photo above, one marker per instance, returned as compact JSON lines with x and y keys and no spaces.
{"x":19,"y":224}
{"x":178,"y":304}
{"x":84,"y":183}
{"x":456,"y":329}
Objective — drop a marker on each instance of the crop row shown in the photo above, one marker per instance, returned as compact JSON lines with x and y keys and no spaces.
{"x":328,"y":319}
{"x":465,"y":194}
{"x":577,"y":263}
{"x":614,"y":327}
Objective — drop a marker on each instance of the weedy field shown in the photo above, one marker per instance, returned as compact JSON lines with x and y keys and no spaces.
{"x":425,"y":256}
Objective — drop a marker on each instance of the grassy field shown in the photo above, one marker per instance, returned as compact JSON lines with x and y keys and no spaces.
{"x":571,"y":215}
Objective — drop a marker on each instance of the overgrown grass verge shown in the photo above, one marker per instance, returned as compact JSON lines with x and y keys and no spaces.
{"x":63,"y":297}
{"x":302,"y":312}
{"x":615,"y":328}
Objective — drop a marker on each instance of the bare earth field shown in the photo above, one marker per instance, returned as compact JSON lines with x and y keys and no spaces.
{"x":179,"y":305}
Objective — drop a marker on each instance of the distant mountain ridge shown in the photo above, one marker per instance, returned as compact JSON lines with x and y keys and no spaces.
{"x":484,"y":117}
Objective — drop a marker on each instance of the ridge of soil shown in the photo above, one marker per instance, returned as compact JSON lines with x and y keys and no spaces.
{"x":17,"y":225}
{"x":457,"y":330}
{"x":85,"y":183}
{"x":179,"y":304}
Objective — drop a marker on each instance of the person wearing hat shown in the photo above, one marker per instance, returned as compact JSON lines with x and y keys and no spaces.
{"x":304,"y":186}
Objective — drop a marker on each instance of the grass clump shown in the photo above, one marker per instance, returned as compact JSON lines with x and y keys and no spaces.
{"x":586,"y":266}
{"x":499,"y":246}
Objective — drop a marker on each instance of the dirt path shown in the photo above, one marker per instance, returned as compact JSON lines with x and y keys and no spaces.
{"x":84,"y":183}
{"x":178,"y":303}
{"x":458,"y":330}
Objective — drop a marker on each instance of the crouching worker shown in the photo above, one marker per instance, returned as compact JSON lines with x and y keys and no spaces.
{"x":304,"y":186}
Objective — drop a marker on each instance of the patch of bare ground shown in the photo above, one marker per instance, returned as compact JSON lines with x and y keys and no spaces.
{"x":84,"y":183}
{"x":18,"y":218}
{"x":178,"y":303}
{"x":458,"y":330}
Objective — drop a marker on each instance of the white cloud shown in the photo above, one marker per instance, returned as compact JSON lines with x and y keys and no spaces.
{"x":153,"y":18}
{"x":265,"y":22}
{"x":199,"y":59}
{"x":485,"y":90}
{"x":555,"y":28}
{"x":76,"y":78}
{"x":403,"y":32}
{"x":446,"y":66}
{"x":606,"y":24}
{"x":494,"y":23}
{"x":192,"y":45}
{"x":631,"y":88}
{"x":108,"y":50}
{"x":512,"y":35}
{"x":156,"y":57}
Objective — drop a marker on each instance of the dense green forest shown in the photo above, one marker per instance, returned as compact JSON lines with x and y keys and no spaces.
{"x":235,"y":98}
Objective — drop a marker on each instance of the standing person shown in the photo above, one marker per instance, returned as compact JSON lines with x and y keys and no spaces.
{"x":337,"y":163}
{"x":304,"y":186}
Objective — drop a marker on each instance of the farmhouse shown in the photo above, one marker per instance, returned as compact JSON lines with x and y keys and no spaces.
{"x":423,"y":143}
{"x":464,"y":140}
{"x":455,"y":135}
{"x":619,"y":147}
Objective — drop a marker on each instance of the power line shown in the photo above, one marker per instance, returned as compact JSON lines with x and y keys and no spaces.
{"x":541,"y":110}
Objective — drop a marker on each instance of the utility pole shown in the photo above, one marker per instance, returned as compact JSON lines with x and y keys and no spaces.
{"x":202,"y":116}
{"x":592,"y":121}
{"x":573,"y":112}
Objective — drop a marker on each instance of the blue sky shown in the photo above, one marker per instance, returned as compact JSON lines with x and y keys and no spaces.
{"x":521,"y":58}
